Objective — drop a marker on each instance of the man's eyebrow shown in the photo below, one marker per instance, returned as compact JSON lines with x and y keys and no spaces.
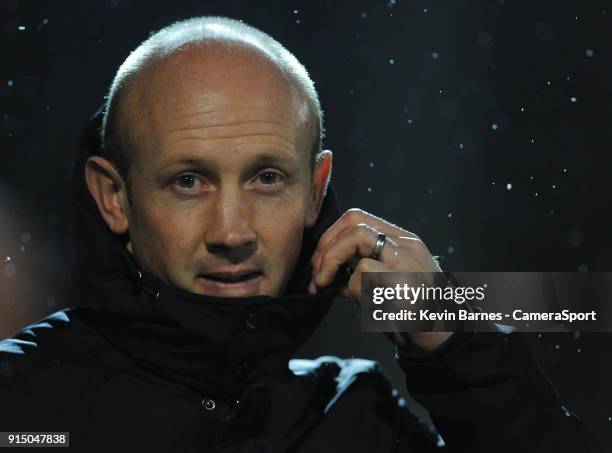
{"x":273,"y":158}
{"x":205,"y":166}
{"x":194,"y":162}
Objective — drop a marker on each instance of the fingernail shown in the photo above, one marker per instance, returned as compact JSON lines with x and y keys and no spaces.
{"x":312,"y":289}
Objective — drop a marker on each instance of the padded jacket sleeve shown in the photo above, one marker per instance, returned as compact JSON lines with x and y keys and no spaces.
{"x":486,"y":392}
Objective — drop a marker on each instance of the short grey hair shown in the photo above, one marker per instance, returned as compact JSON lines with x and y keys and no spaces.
{"x":202,"y":30}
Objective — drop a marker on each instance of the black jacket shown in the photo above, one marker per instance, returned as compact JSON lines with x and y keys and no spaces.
{"x":136,"y":365}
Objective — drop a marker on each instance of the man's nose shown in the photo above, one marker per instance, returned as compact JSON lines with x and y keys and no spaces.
{"x":229,"y":233}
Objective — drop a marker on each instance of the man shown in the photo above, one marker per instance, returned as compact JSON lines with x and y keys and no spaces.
{"x":209,"y":247}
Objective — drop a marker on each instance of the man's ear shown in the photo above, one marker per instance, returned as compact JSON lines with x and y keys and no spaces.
{"x":320,"y":180}
{"x":109,"y":191}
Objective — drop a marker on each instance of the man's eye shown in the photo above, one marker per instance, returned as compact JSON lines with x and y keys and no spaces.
{"x":269,"y":178}
{"x":187,"y":181}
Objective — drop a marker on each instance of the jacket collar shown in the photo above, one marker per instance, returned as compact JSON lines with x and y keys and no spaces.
{"x":215,"y":345}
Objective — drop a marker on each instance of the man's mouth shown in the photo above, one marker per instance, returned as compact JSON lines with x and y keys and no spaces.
{"x":231,"y":284}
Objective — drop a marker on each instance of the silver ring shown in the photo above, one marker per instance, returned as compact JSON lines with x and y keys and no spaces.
{"x":380,"y":243}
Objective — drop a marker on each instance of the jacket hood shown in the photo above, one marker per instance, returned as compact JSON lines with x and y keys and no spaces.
{"x":202,"y":341}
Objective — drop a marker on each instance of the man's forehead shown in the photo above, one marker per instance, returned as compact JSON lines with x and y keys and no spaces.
{"x":208,"y":86}
{"x":215,"y":75}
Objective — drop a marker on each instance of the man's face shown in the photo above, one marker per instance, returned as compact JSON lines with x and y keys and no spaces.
{"x":220,"y":178}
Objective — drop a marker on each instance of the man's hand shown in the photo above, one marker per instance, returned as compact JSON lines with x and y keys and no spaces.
{"x":354,"y":235}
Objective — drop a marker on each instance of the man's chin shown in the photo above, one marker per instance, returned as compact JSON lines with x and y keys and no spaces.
{"x":245,"y":288}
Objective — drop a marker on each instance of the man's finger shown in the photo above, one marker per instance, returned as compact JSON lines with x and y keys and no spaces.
{"x":356,"y":216}
{"x":357,"y":241}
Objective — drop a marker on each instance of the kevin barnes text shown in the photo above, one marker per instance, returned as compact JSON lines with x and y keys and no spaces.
{"x":465,"y":315}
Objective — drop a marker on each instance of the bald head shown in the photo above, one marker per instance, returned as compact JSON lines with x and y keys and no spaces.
{"x":216,"y":59}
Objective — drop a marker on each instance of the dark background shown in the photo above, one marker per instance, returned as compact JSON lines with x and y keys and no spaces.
{"x":484,"y":127}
